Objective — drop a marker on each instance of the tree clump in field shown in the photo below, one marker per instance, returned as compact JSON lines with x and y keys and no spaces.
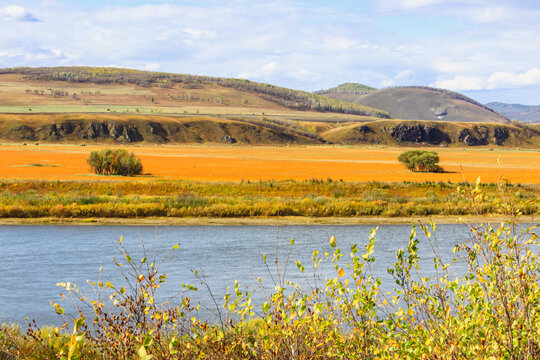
{"x":114,"y":162}
{"x":420,"y":160}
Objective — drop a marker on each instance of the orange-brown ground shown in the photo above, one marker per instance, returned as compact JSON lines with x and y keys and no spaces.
{"x":234,"y":163}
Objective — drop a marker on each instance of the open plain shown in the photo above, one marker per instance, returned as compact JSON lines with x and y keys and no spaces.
{"x":237,"y":163}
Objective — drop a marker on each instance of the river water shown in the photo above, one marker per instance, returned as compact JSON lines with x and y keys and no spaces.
{"x":33,"y":259}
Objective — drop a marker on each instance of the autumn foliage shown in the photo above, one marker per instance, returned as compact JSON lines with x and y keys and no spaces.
{"x":114,"y":162}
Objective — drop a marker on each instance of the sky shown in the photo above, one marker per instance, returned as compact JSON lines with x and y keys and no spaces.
{"x":486,"y":49}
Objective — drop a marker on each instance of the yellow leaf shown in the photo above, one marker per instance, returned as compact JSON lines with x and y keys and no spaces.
{"x":479,"y":320}
{"x":332,"y":241}
{"x":341,"y":272}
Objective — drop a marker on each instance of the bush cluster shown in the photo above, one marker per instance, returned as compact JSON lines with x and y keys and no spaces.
{"x":420,"y":160}
{"x":114,"y":162}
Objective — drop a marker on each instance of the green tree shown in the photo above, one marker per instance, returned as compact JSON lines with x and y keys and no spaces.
{"x":114,"y":162}
{"x":420,"y":160}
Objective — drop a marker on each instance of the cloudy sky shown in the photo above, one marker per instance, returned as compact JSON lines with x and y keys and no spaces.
{"x":487,"y":49}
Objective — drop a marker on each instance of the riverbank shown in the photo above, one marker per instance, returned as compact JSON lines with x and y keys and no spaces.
{"x":268,"y":221}
{"x":288,"y":201}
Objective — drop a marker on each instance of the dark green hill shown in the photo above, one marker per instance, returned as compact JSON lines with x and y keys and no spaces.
{"x":524,"y":113}
{"x":424,"y":103}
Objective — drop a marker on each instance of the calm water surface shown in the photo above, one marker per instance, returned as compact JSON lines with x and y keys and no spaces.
{"x":33,"y":259}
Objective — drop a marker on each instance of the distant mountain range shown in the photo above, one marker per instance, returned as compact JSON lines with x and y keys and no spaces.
{"x":524,"y":113}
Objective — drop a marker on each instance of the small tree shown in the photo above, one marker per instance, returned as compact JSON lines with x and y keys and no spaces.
{"x":114,"y":162}
{"x":420,"y":160}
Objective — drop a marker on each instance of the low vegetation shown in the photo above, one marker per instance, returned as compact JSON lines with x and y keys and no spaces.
{"x":114,"y":162}
{"x":490,"y":311}
{"x":314,"y":198}
{"x":420,"y":160}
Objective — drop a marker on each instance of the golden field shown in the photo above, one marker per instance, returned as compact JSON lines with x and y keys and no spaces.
{"x":236,"y":163}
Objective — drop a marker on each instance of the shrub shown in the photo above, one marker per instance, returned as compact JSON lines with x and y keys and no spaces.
{"x":114,"y":162}
{"x":420,"y":160}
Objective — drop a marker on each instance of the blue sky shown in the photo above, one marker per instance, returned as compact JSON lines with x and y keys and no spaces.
{"x":488,"y":50}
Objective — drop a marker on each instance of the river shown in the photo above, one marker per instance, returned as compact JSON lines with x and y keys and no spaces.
{"x":33,"y":259}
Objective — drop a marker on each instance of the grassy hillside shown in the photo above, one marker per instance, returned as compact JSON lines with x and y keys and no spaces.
{"x":423,"y":103}
{"x":114,"y":86}
{"x":523,"y":113}
{"x":436,"y":133}
{"x":78,"y":128}
{"x":159,"y":129}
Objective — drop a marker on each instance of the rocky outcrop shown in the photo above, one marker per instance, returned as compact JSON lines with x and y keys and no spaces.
{"x":21,"y":132}
{"x":228,"y":139}
{"x":481,"y":135}
{"x":500,"y":135}
{"x":419,"y":134}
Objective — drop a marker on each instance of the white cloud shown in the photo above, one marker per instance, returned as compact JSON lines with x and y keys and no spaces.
{"x":16,"y":13}
{"x":269,"y":68}
{"x":501,"y":80}
{"x":401,"y":78}
{"x":460,"y":83}
{"x":400,"y":5}
{"x":260,"y":72}
{"x":152,"y":67}
{"x":404,"y":75}
{"x":304,"y":75}
{"x":198,"y":33}
{"x":339,"y":43}
{"x":495,"y":81}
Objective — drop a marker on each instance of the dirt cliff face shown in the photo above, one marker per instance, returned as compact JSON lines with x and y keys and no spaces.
{"x":419,"y":134}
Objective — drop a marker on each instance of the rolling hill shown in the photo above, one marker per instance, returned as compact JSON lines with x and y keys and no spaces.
{"x":83,"y":105}
{"x":422,"y":103}
{"x":86,"y":87}
{"x":524,"y":113}
{"x":153,"y":129}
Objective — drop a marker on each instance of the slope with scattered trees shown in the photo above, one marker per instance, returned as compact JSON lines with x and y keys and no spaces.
{"x":292,"y":99}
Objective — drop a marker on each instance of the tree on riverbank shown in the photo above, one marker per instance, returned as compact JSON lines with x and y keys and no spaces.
{"x":114,"y":162}
{"x":420,"y":160}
